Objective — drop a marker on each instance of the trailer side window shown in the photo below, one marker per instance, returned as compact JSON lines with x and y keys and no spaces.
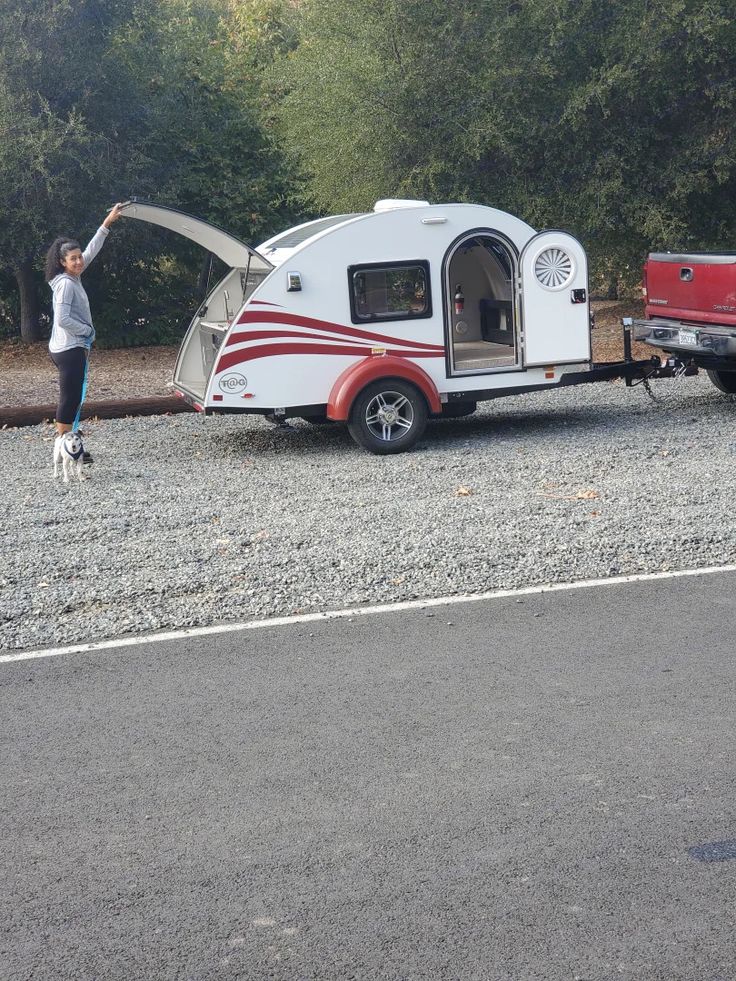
{"x":389,"y":291}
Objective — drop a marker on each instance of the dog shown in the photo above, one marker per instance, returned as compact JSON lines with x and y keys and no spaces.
{"x":69,"y":451}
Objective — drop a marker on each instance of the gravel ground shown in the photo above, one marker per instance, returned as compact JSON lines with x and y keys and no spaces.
{"x":186,"y":521}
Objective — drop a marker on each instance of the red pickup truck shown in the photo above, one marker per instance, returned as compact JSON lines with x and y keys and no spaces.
{"x":691,"y":311}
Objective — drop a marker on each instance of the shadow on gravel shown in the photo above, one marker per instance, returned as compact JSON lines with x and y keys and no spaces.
{"x":491,"y":423}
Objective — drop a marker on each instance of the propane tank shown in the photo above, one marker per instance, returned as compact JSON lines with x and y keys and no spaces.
{"x":459,"y":299}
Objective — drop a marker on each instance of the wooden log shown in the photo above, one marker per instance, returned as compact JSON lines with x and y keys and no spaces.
{"x":31,"y":415}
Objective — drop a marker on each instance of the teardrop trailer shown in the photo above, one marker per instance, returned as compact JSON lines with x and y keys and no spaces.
{"x":381,"y":320}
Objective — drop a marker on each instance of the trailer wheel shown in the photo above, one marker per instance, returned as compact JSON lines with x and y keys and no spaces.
{"x":388,"y":416}
{"x":725,"y":381}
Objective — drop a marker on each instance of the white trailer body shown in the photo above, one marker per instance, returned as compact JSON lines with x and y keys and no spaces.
{"x":424,"y":308}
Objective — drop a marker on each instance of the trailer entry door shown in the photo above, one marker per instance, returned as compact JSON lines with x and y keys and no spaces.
{"x":554,"y":300}
{"x":481,"y":322}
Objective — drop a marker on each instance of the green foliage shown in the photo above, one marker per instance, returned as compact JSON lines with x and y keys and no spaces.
{"x":101,"y":99}
{"x":614,"y":120}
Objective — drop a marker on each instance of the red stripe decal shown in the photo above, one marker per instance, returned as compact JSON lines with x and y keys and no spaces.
{"x":258,"y":335}
{"x":268,"y":316}
{"x":270,"y":350}
{"x":263,"y":303}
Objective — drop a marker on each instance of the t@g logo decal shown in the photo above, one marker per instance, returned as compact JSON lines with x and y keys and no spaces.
{"x":232,"y":383}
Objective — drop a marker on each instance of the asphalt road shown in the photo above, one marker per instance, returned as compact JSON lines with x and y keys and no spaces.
{"x":534,"y":789}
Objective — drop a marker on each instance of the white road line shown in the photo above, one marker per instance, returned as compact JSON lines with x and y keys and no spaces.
{"x":358,"y":611}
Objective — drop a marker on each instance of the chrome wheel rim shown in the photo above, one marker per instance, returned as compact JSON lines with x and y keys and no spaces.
{"x":389,"y":416}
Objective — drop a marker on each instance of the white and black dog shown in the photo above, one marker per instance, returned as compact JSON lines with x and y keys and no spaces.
{"x":69,"y":451}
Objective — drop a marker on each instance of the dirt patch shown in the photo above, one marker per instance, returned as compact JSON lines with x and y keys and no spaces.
{"x":608,"y":338}
{"x":28,"y":377}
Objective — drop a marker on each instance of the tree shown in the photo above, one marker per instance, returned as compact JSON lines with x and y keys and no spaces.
{"x":612,"y":119}
{"x":47,"y":148}
{"x":103,"y":98}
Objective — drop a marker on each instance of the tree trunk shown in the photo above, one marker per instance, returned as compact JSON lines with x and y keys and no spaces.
{"x":30,"y":325}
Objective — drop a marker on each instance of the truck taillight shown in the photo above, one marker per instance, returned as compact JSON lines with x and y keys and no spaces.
{"x":644,"y":281}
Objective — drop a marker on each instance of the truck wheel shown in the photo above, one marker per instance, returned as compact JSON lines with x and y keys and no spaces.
{"x":388,"y":416}
{"x":724,"y":380}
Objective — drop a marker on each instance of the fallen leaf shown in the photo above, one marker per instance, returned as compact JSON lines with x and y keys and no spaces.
{"x":463,"y":491}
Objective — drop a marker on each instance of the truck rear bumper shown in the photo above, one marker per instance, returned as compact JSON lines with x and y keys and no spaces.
{"x":687,"y":338}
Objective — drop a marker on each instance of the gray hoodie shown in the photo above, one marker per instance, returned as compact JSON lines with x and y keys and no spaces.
{"x":72,"y":316}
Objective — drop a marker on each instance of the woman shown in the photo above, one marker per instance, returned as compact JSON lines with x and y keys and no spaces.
{"x":72,"y":333}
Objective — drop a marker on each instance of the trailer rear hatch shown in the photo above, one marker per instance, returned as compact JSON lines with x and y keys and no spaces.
{"x":247,"y":269}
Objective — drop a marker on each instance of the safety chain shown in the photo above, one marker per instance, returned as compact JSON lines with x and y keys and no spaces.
{"x":671,"y":390}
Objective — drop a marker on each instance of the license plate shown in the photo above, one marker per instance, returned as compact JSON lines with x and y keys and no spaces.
{"x":688,"y":338}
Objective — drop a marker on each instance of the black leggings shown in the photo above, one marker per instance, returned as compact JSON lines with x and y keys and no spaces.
{"x":71,"y":365}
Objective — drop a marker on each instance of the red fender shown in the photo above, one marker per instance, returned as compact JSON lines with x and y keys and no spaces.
{"x":362,"y":373}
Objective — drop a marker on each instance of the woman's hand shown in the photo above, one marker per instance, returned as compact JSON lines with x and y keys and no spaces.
{"x":113,"y":214}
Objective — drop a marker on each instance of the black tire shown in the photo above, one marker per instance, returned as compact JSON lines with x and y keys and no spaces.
{"x":455,"y":410}
{"x":319,"y":419}
{"x":388,"y":416}
{"x":725,"y":381}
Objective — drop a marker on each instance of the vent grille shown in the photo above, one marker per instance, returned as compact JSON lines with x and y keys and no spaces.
{"x":553,"y":268}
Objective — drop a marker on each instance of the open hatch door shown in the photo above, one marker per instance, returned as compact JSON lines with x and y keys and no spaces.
{"x":208,"y":329}
{"x":231,"y":250}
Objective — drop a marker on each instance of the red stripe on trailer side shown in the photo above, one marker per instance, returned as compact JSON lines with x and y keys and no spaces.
{"x":271,"y":350}
{"x":356,"y":376}
{"x":264,"y":303}
{"x":259,"y":335}
{"x":292,"y":320}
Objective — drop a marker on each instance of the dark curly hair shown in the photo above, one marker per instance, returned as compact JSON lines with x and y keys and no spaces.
{"x":59,"y":248}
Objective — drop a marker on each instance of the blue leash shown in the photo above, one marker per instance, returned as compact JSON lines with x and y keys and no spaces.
{"x":75,"y":424}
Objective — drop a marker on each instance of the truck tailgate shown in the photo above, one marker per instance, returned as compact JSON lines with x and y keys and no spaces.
{"x":696,"y":288}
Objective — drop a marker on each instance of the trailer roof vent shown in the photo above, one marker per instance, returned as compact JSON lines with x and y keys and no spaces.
{"x":553,"y":268}
{"x":391,"y":204}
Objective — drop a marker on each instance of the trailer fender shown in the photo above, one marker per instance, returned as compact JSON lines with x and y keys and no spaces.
{"x":362,"y":373}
